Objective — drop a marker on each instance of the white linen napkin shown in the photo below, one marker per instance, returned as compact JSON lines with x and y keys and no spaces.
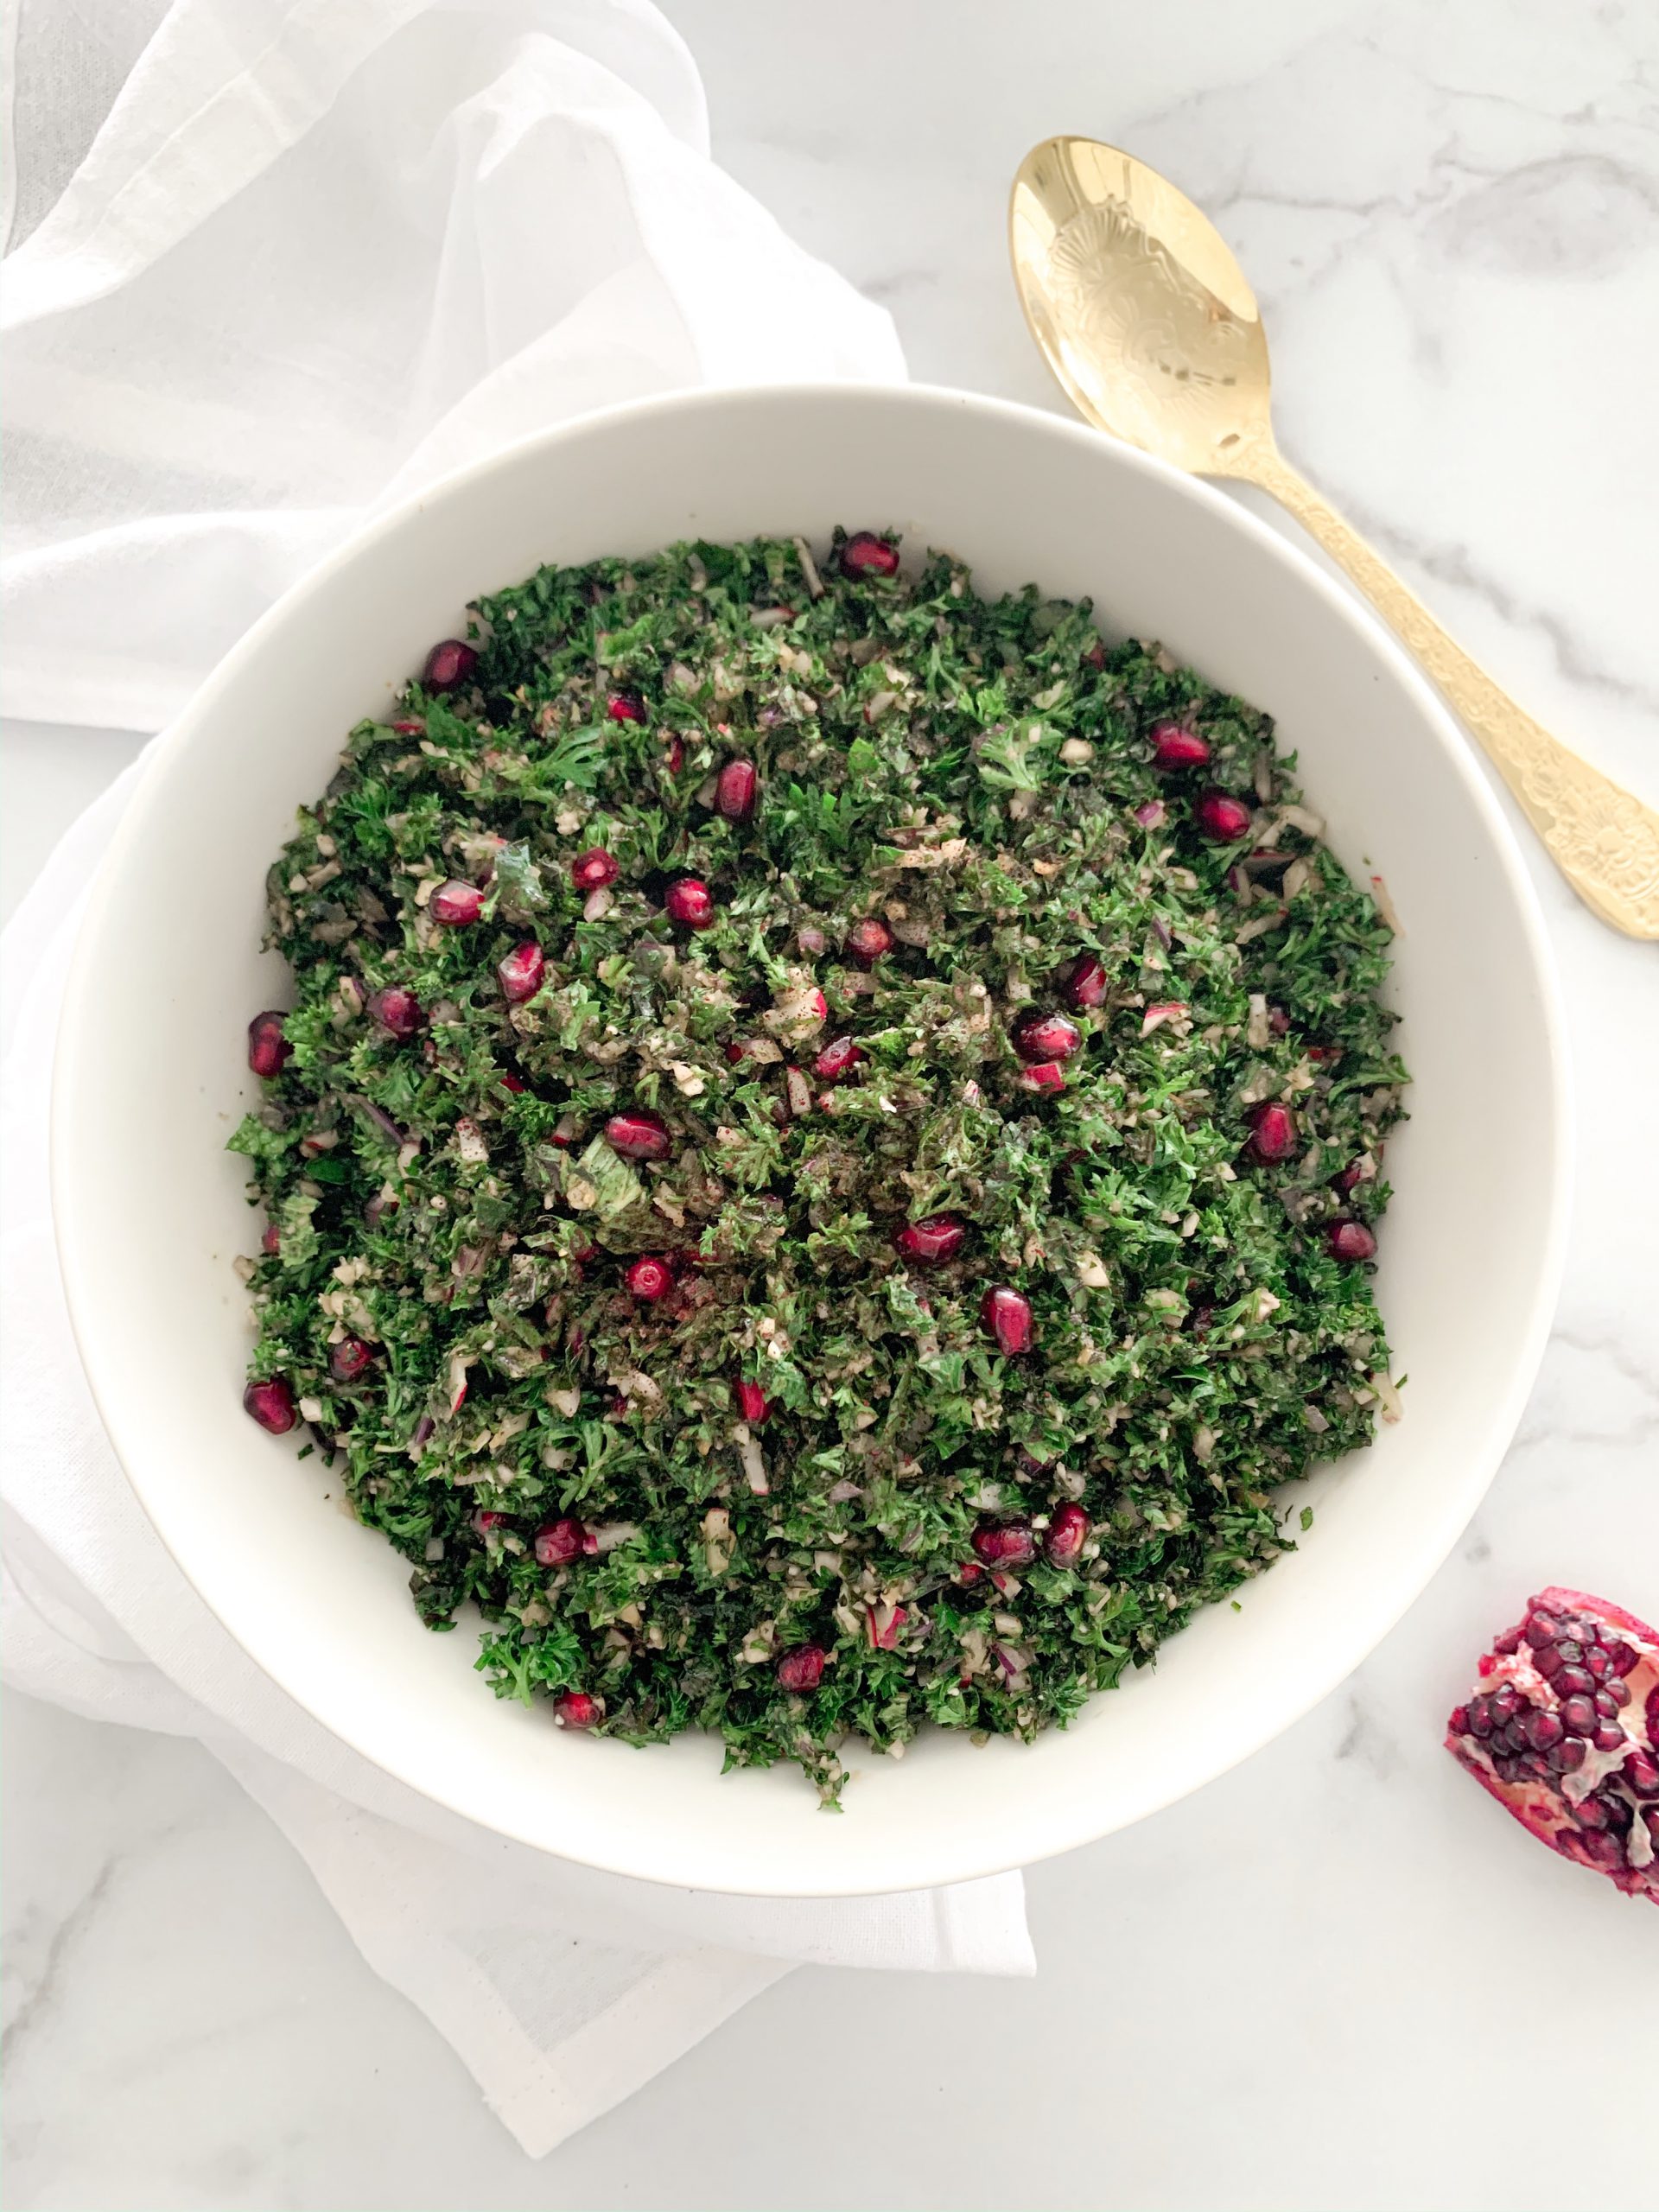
{"x":305,"y":255}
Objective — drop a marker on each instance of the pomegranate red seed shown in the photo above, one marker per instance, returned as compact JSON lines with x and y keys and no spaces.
{"x":557,"y":1542}
{"x":269,"y":1050}
{"x":1046,"y":1037}
{"x":1047,"y":1075}
{"x":691,"y":901}
{"x":1068,"y":1531}
{"x":521,"y":973}
{"x":513,"y":1083}
{"x":272,"y":1239}
{"x":484,"y":1522}
{"x":737,"y":1051}
{"x":272,"y":1404}
{"x":801,"y":1668}
{"x":1272,"y":1131}
{"x":866,"y":555}
{"x":1528,"y":1736}
{"x":735,"y":790}
{"x":650,"y":1279}
{"x":1085,"y":982}
{"x":1175,"y":748}
{"x":625,"y":707}
{"x":753,"y":1403}
{"x":449,"y":664}
{"x":397,"y":1011}
{"x":1224,"y":820}
{"x":1005,"y":1543}
{"x":455,"y":903}
{"x":1349,"y":1179}
{"x":837,"y":1060}
{"x":575,"y":1709}
{"x":409,"y":728}
{"x":931,"y":1243}
{"x":1349,"y":1240}
{"x":349,"y":1357}
{"x":594,"y":869}
{"x":868,"y":941}
{"x":1006,"y":1315}
{"x":638,"y":1135}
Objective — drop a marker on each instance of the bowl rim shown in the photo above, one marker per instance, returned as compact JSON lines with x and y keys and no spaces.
{"x":74,"y":1049}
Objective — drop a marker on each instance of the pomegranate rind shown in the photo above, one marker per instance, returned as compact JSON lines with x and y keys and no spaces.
{"x":1548,"y":1812}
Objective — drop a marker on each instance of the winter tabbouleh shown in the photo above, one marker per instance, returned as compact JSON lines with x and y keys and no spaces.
{"x":821,"y":1168}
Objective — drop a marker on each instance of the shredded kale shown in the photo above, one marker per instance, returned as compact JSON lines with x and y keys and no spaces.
{"x":962,"y":1533}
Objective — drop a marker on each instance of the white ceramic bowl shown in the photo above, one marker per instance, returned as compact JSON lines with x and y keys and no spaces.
{"x":151,"y":1079}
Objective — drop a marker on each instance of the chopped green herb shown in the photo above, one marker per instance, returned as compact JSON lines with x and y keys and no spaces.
{"x":965,"y":999}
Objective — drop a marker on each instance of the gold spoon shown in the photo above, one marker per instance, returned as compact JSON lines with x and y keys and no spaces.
{"x":1146,"y":319}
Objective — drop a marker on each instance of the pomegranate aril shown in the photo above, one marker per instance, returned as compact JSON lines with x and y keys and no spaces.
{"x":1068,"y":1531}
{"x":1598,"y":1663}
{"x":1005,"y":1543}
{"x":1506,"y":1701}
{"x":1085,"y":983}
{"x":272,"y":1404}
{"x":520,"y":974}
{"x":650,"y":1279}
{"x":753,"y":1403}
{"x":1613,"y":1695}
{"x":931,"y":1243}
{"x":691,"y":901}
{"x":1223,"y":820}
{"x":1573,"y":1682}
{"x":271,"y":1242}
{"x":865,"y":555}
{"x":594,"y":869}
{"x":1622,"y":1656}
{"x":269,"y":1050}
{"x":399,"y":1013}
{"x":1547,"y":1659}
{"x":1571,"y":1651}
{"x":1175,"y":748}
{"x":1641,"y":1770}
{"x":837,"y":1060}
{"x":575,"y":1709}
{"x":868,"y":941}
{"x":637,"y":1136}
{"x":449,"y":664}
{"x":1005,"y":1315}
{"x":1543,"y":1729}
{"x":1606,"y":1851}
{"x":1568,"y":1755}
{"x":1578,"y":1715}
{"x":455,"y":903}
{"x":625,"y":707}
{"x":735,"y":790}
{"x":560,"y":1541}
{"x":513,"y":1083}
{"x":1457,"y":1720}
{"x":802,"y":1669}
{"x":1609,"y":1736}
{"x":349,"y":1357}
{"x":1349,"y":1240}
{"x":1272,"y":1131}
{"x":1046,"y":1037}
{"x":1480,"y":1718}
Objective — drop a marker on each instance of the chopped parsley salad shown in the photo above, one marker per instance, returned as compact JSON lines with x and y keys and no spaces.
{"x":823,"y":1162}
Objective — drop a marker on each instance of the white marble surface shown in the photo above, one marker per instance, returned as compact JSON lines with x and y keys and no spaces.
{"x":1338,"y":1979}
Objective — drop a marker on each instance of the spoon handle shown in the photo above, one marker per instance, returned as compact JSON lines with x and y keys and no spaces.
{"x":1602,"y":839}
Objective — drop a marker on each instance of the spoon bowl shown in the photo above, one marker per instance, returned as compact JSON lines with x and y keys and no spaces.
{"x":1142,"y":312}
